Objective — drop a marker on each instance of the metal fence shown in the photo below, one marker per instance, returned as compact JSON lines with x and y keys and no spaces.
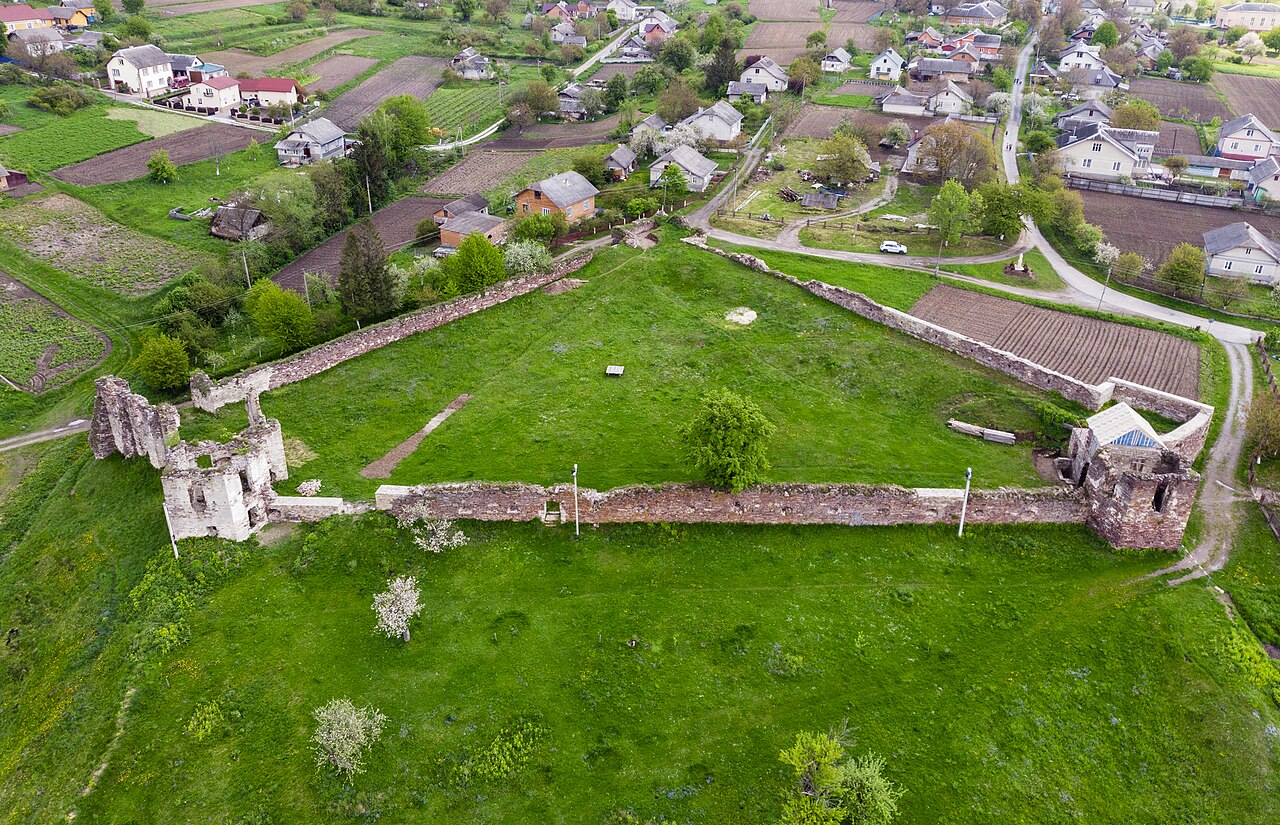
{"x":1168,"y":195}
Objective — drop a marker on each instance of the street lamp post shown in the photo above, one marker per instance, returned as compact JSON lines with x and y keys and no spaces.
{"x":1106,"y":283}
{"x":964,"y":508}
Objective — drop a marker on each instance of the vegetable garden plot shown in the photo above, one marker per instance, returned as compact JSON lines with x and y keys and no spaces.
{"x":1188,"y":101}
{"x":1084,"y":348}
{"x":856,"y":11}
{"x":1245,"y":93}
{"x":785,"y":9}
{"x":130,"y":163}
{"x":477,"y":172}
{"x":337,"y":70}
{"x":417,"y":76}
{"x":237,"y":60}
{"x":40,"y":345}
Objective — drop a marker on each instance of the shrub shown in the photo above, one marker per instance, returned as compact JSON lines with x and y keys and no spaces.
{"x":726,"y":440}
{"x":343,"y":734}
{"x":160,"y":168}
{"x":280,"y":315}
{"x":61,"y":98}
{"x":524,"y":258}
{"x":163,"y":362}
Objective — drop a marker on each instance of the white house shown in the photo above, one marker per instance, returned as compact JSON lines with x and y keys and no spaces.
{"x":837,"y":62}
{"x":144,"y":70}
{"x":315,"y":141}
{"x":270,"y":91}
{"x":766,"y":72}
{"x":40,"y":42}
{"x":718,"y":122}
{"x":1097,"y":151}
{"x":1083,"y":114}
{"x":755,"y":92}
{"x":1245,"y":138}
{"x":471,"y":65}
{"x":1080,"y":56}
{"x":887,"y":65}
{"x":1264,"y":180}
{"x":625,"y":10}
{"x":214,"y":93}
{"x":1240,"y":250}
{"x":696,"y":169}
{"x":950,"y":99}
{"x":901,"y":102}
{"x":654,"y":122}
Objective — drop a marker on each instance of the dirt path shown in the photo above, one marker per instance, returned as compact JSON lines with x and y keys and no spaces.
{"x":791,"y":233}
{"x":385,"y":466}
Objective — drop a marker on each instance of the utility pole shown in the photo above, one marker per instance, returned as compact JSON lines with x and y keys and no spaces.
{"x":964,"y":508}
{"x":368,"y":193}
{"x":244,"y":259}
{"x":306,"y":289}
{"x":169,"y":526}
{"x":575,"y":501}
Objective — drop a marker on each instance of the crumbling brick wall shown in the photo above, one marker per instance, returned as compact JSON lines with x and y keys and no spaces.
{"x":850,"y":504}
{"x":210,"y":395}
{"x":127,"y":423}
{"x":1139,"y":508}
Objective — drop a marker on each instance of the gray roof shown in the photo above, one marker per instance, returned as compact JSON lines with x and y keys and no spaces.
{"x":621,"y":158}
{"x":235,"y":222}
{"x":565,"y":189}
{"x":1103,"y":77}
{"x":1244,"y":122}
{"x":575,"y":40}
{"x":903,"y":97}
{"x":1218,"y":163}
{"x":1086,"y":109}
{"x":820,"y":200}
{"x":988,"y":9}
{"x":766,"y":65}
{"x":321,"y":130}
{"x":955,"y":90}
{"x":938,"y":65}
{"x":1263,"y":169}
{"x":1264,"y":7}
{"x":87,"y":38}
{"x":895,"y":58}
{"x":984,"y":39}
{"x":87,"y":5}
{"x":737,"y":87}
{"x":38,"y":35}
{"x":690,"y":161}
{"x":184,"y":62}
{"x":839,"y":55}
{"x":469,"y":222}
{"x":654,"y":122}
{"x":471,"y":203}
{"x":62,"y":12}
{"x":720,"y":109}
{"x":1238,"y":234}
{"x":143,"y":57}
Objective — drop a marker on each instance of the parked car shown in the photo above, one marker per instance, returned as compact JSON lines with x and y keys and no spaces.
{"x":894,"y":247}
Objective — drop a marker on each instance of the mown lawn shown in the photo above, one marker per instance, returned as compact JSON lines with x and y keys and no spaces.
{"x":852,"y":400}
{"x":1013,"y":676}
{"x":51,"y":143}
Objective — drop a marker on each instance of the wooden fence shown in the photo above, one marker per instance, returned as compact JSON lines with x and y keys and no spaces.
{"x":733,"y":213}
{"x":1169,"y":195}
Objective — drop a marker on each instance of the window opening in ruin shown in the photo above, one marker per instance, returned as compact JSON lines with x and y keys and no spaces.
{"x":244,"y":481}
{"x":1162,"y":496}
{"x":1084,"y":473}
{"x":204,"y":461}
{"x":551,"y":507}
{"x":197,"y":498}
{"x":253,"y":518}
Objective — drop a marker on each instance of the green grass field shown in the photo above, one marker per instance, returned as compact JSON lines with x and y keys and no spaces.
{"x":853,"y":401}
{"x":85,"y":134}
{"x":850,"y":101}
{"x":1015,"y":675}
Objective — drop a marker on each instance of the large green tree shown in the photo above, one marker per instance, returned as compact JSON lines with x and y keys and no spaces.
{"x":1183,"y":270}
{"x":280,"y":315}
{"x":727,"y":440}
{"x":833,"y":789}
{"x":845,"y":159}
{"x":476,"y":264}
{"x":723,"y":68}
{"x":1106,"y":35}
{"x":953,"y":210}
{"x":365,"y":286}
{"x":163,"y":362}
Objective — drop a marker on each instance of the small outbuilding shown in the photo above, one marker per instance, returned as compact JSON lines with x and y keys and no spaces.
{"x":236,"y":222}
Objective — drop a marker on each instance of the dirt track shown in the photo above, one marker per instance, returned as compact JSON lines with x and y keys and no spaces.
{"x":1084,"y":348}
{"x":237,"y":60}
{"x":190,"y":146}
{"x":417,"y":76}
{"x":395,"y":224}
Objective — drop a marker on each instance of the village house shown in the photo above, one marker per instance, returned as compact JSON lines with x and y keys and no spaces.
{"x":456,"y":230}
{"x":70,"y":18}
{"x":471,"y":65}
{"x":40,"y":42}
{"x":634,"y":50}
{"x":930,"y":39}
{"x":950,"y":99}
{"x":237,"y":222}
{"x":930,"y":68}
{"x":270,"y":91}
{"x":1141,"y":7}
{"x":19,"y":16}
{"x":986,"y":13}
{"x":461,"y":206}
{"x":625,"y":10}
{"x":654,"y":122}
{"x":1082,"y":114}
{"x":1099,"y":152}
{"x":1256,"y":17}
{"x":1096,"y":83}
{"x":696,"y":169}
{"x":755,"y":92}
{"x":568,"y":194}
{"x":1209,"y":166}
{"x":1264,"y":180}
{"x":205,"y":71}
{"x":311,"y":142}
{"x":766,"y":72}
{"x":570,"y":102}
{"x":1080,"y":56}
{"x":621,"y":162}
{"x":557,"y":11}
{"x":656,"y":28}
{"x":1239,"y":250}
{"x":560,"y":32}
{"x":837,"y":62}
{"x":719,"y":122}
{"x":181,"y":66}
{"x":887,"y":65}
{"x":1245,"y":138}
{"x":214,"y":93}
{"x":968,"y":54}
{"x":899,"y":101}
{"x":144,"y":70}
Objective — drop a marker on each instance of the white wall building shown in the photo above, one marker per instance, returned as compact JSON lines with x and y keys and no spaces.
{"x":143,"y":70}
{"x":1238,"y":250}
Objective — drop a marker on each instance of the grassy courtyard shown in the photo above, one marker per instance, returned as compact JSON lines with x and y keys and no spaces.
{"x":852,"y":400}
{"x":1014,"y":675}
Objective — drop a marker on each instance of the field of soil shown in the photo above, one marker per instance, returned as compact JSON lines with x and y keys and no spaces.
{"x":855,"y":11}
{"x":1178,"y":138}
{"x":334,"y":71}
{"x":190,"y":146}
{"x":396,"y":225}
{"x":238,"y":61}
{"x":862,"y":34}
{"x":477,"y":172}
{"x":1188,"y":101}
{"x":556,"y":135}
{"x":1153,"y":228}
{"x":782,"y":55}
{"x":78,"y":239}
{"x":1084,"y":348}
{"x":1245,"y":93}
{"x":610,"y":69}
{"x":8,"y":129}
{"x":779,"y":35}
{"x":178,"y":9}
{"x":785,"y":9}
{"x":42,"y":346}
{"x":417,"y":76}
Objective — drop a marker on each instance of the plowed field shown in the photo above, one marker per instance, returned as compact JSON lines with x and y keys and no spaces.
{"x":862,"y":34}
{"x":395,"y":224}
{"x":785,"y":9}
{"x":1084,"y":348}
{"x":780,"y":35}
{"x":417,"y":76}
{"x":856,"y":11}
{"x":1179,"y":138}
{"x":190,"y":146}
{"x":334,"y":71}
{"x":478,"y":172}
{"x":1189,"y":101}
{"x":238,"y":61}
{"x":556,"y":135}
{"x":1259,"y":95}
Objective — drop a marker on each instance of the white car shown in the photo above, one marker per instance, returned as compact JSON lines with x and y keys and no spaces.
{"x":894,"y":247}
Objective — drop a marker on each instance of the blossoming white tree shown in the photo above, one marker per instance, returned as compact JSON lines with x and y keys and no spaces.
{"x":431,"y":534}
{"x":343,"y":733}
{"x":397,"y":606}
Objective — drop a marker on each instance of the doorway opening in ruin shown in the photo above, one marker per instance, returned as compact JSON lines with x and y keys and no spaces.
{"x":244,"y":481}
{"x":1161,"y":498}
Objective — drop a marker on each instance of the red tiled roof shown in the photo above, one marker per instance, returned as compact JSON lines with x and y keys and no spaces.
{"x":269,"y":84}
{"x":18,"y":13}
{"x":221,"y":82}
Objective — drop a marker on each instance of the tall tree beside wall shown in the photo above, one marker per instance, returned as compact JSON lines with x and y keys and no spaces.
{"x":365,"y":286}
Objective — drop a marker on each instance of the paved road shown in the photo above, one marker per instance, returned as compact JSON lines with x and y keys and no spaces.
{"x":80,"y":425}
